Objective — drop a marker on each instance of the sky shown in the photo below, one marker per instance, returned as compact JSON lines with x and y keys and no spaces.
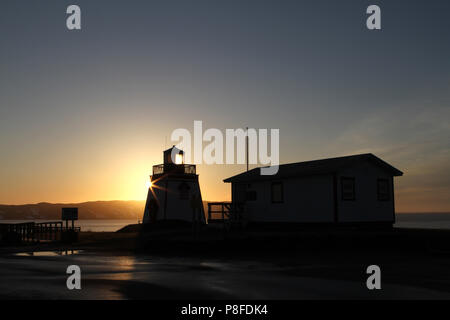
{"x":85,"y":114}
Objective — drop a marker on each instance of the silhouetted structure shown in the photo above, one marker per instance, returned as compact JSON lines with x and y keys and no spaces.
{"x":351,"y":189}
{"x":174,"y":193}
{"x":37,"y":232}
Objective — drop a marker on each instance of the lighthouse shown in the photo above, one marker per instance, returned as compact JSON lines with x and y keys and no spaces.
{"x":174,"y":191}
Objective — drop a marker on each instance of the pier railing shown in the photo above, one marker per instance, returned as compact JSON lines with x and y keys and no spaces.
{"x":35,"y":232}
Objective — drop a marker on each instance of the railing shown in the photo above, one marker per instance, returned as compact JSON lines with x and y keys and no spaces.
{"x":17,"y":231}
{"x":174,"y":168}
{"x":34,"y":232}
{"x":189,"y":169}
{"x":218,"y":210}
{"x":159,"y":169}
{"x":224,"y":211}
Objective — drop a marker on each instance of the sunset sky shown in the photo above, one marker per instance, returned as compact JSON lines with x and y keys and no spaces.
{"x":84,"y":115}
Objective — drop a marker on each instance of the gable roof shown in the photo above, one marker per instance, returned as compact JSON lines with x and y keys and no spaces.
{"x":314,"y":167}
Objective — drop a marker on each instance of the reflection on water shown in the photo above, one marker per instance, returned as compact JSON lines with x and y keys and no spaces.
{"x":152,"y":277}
{"x":48,"y":253}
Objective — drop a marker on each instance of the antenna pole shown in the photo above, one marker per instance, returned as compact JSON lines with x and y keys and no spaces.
{"x":246,"y":147}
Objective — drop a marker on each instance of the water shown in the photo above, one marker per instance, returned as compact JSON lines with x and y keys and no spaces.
{"x":42,"y":275}
{"x":423,"y":220}
{"x":404,"y":220}
{"x":48,"y":253}
{"x":150,"y":277}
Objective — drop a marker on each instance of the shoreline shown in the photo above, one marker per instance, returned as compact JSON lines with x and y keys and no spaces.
{"x":182,"y":240}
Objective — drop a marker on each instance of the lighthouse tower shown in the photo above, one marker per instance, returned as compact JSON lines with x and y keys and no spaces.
{"x":174,"y":192}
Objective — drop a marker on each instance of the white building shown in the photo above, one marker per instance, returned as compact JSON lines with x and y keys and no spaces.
{"x":174,"y":193}
{"x":351,"y":189}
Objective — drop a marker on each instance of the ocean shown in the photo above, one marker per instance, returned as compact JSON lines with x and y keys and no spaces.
{"x":423,"y":220}
{"x":404,"y":220}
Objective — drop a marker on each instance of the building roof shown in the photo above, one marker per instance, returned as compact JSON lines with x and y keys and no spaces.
{"x":323,"y":166}
{"x":173,"y":148}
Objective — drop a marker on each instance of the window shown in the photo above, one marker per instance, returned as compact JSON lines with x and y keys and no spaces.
{"x":277,"y":192}
{"x":348,"y":188}
{"x":383,"y":190}
{"x":250,"y":195}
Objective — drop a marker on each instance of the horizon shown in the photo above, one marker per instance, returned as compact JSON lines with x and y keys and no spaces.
{"x":205,"y":201}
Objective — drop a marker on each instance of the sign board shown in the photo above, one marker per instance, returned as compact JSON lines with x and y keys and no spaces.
{"x":69,"y":213}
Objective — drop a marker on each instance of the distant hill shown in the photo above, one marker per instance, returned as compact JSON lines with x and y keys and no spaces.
{"x":86,"y":210}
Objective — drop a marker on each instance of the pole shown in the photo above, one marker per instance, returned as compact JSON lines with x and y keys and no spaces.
{"x":246,"y":147}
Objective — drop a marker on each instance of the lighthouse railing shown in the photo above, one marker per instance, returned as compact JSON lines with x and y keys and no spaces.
{"x":174,"y":168}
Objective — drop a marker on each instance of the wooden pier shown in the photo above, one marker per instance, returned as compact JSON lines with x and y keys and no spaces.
{"x":36,"y":232}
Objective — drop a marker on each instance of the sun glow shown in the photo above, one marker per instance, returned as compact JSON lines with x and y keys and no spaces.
{"x":149,"y":184}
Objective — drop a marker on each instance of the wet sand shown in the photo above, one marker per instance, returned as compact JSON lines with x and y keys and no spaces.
{"x":414,"y":265}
